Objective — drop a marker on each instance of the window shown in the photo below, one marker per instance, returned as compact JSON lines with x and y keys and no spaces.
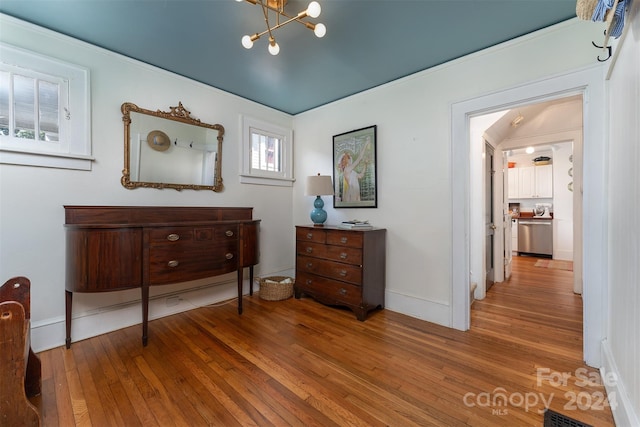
{"x":44,"y":111}
{"x":266,"y":153}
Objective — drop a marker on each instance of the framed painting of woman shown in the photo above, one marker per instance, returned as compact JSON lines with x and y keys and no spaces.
{"x":354,"y":169}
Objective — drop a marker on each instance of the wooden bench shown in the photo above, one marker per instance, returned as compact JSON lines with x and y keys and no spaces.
{"x":20,"y":370}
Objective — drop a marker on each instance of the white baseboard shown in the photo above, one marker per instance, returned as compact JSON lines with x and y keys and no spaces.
{"x":50,"y":333}
{"x":431,"y":311}
{"x":563,"y":255}
{"x":623,"y":412}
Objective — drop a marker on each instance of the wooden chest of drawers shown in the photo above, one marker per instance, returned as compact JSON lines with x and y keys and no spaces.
{"x":341,"y":267}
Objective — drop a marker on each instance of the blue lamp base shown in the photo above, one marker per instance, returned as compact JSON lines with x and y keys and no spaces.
{"x":318,"y":215}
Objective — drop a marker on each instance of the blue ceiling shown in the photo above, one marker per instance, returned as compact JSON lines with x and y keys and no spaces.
{"x":368,"y":42}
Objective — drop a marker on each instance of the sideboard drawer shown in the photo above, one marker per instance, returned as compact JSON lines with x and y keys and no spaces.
{"x":187,"y":234}
{"x":179,"y":263}
{"x":170,"y":234}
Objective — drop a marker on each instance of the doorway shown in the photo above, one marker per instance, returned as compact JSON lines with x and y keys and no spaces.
{"x":589,"y":83}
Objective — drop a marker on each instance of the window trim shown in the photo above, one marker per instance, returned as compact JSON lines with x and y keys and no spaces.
{"x":247,"y":175}
{"x":78,"y":155}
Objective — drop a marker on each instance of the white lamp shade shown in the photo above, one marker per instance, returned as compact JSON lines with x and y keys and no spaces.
{"x":247,"y":42}
{"x":320,"y":30}
{"x":319,"y":185}
{"x":274,"y":49}
{"x":314,"y":9}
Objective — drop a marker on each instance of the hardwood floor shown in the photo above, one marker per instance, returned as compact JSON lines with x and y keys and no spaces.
{"x":297,"y":362}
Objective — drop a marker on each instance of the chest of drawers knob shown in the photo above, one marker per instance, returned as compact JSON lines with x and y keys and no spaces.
{"x":343,"y":291}
{"x":343,"y":240}
{"x":173,"y":237}
{"x":229,"y":255}
{"x":343,"y":255}
{"x":229,"y":233}
{"x":309,"y":250}
{"x":173,"y":263}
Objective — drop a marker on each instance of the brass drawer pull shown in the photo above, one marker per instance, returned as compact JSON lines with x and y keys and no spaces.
{"x":343,"y":255}
{"x":309,"y":281}
{"x":343,"y":273}
{"x":343,"y":240}
{"x":343,"y":291}
{"x":229,"y":255}
{"x":309,"y":265}
{"x":173,"y":237}
{"x":228,"y":233}
{"x":173,"y":263}
{"x":309,"y":235}
{"x":309,"y":250}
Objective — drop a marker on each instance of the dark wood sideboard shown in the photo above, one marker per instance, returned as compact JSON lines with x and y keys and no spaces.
{"x":111,"y":248}
{"x":341,"y":267}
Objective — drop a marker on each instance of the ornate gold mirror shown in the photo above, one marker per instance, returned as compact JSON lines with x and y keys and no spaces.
{"x":170,"y":150}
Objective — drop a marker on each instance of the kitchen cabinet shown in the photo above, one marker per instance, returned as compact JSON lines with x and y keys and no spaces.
{"x":531,"y":182}
{"x":544,"y":181}
{"x":513,"y":183}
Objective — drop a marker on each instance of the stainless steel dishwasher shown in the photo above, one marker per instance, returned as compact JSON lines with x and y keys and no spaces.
{"x":535,"y":236}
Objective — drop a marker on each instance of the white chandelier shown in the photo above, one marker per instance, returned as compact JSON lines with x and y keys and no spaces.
{"x":282,"y":19}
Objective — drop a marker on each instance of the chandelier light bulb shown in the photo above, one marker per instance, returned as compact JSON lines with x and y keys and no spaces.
{"x":314,"y":9}
{"x":247,"y":42}
{"x":274,"y":48}
{"x":320,"y":30}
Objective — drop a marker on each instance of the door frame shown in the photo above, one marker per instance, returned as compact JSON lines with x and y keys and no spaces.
{"x":590,"y":83}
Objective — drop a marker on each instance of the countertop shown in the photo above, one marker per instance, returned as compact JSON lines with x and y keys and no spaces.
{"x":528,"y":215}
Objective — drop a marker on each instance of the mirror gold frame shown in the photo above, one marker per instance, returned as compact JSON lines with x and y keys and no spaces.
{"x":177,"y":114}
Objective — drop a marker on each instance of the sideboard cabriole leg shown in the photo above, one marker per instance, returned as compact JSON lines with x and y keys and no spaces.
{"x":68,"y":301}
{"x":145,"y":314}
{"x":240,"y":291}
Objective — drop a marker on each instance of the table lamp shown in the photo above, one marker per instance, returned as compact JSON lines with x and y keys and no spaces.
{"x":319,"y":185}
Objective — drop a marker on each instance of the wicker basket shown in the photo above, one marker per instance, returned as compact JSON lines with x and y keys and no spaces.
{"x":272,"y":288}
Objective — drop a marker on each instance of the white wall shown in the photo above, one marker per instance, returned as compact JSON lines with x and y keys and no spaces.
{"x":414,"y":155}
{"x":32,"y":239}
{"x":562,"y":202}
{"x":622,"y":348}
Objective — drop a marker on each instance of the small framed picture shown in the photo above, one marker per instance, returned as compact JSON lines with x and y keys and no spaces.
{"x":354,"y":169}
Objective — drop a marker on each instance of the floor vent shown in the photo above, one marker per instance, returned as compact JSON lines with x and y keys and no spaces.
{"x":554,"y":419}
